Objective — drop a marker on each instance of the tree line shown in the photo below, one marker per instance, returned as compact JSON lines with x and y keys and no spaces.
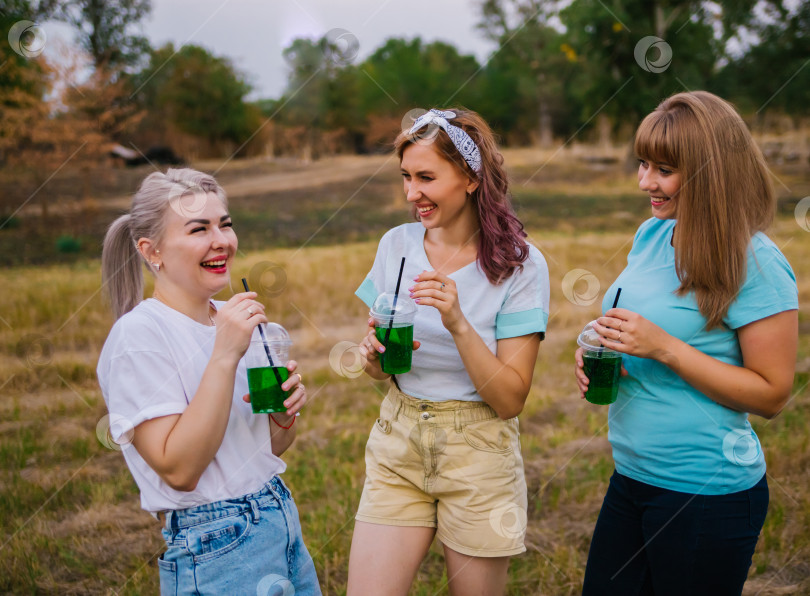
{"x":587,"y":69}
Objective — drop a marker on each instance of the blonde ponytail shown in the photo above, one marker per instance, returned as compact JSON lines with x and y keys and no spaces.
{"x":121,"y":269}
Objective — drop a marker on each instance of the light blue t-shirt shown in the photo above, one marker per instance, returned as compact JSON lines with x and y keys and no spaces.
{"x":663,"y":431}
{"x":518,"y":306}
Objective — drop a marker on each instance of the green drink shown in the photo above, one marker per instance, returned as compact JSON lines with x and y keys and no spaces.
{"x":398,"y":349}
{"x":266,"y":359}
{"x":603,"y":375}
{"x":393,"y":318}
{"x":266,"y":396}
{"x":601,"y":365}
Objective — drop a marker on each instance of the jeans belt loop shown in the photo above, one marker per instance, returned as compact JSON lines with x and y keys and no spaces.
{"x":397,"y":408}
{"x":255,"y":515}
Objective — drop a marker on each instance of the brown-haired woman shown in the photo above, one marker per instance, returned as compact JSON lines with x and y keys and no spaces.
{"x":444,"y":457}
{"x":708,"y":328}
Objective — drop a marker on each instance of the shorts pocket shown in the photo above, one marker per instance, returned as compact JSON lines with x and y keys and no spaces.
{"x":215,"y":538}
{"x":168,"y":577}
{"x":491,"y":436}
{"x":384,"y":425}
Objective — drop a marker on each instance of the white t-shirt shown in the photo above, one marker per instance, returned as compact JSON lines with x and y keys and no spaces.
{"x":518,"y":306}
{"x":151,"y":366}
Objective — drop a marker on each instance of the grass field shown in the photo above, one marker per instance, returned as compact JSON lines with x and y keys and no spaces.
{"x":69,"y":510}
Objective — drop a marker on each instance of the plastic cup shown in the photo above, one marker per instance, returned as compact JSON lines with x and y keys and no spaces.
{"x":602,"y":366}
{"x":265,"y":376}
{"x":394,"y":330}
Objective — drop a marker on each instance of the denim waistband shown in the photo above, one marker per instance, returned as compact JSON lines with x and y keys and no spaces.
{"x":440,"y":412}
{"x":273,"y":490}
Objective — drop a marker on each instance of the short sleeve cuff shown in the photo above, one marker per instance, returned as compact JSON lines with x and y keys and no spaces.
{"x":764,"y":312}
{"x":367,"y":292}
{"x":525,"y":322}
{"x":122,"y":427}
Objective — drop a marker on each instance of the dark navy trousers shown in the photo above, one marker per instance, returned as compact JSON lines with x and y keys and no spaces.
{"x":654,"y":541}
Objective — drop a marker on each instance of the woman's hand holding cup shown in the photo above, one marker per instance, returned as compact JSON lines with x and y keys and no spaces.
{"x":235,"y":322}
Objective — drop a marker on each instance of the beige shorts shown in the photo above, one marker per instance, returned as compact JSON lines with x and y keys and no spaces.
{"x":454,"y":466}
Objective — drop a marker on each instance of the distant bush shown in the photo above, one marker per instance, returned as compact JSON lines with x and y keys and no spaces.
{"x":68,"y":244}
{"x":9,"y":223}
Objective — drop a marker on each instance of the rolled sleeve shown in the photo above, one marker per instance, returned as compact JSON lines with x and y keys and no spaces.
{"x":516,"y":324}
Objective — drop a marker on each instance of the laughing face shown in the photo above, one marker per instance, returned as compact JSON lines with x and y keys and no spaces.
{"x":435,"y":186}
{"x":196,"y":251}
{"x":662,"y":183}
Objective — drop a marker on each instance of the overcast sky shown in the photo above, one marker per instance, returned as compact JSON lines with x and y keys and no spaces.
{"x":252,"y":33}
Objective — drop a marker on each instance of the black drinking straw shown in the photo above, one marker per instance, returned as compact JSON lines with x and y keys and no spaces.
{"x":394,"y":309}
{"x":264,"y":341}
{"x":615,"y":302}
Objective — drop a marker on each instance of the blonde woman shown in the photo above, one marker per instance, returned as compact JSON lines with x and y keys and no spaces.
{"x":173,"y":377}
{"x":707,"y":325}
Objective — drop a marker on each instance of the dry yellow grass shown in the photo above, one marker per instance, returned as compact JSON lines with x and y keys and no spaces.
{"x":70,"y":518}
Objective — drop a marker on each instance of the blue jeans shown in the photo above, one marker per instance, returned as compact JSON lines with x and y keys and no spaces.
{"x":248,"y":545}
{"x":651,"y":540}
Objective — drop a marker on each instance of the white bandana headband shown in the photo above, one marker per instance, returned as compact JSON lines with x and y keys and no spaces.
{"x":462,"y":141}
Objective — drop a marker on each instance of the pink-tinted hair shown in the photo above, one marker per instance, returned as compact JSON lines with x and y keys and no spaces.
{"x":501,"y":245}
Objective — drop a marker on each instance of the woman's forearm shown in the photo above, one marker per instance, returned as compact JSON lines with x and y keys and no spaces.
{"x":282,"y":432}
{"x":194,"y":440}
{"x":496,"y":381}
{"x":735,"y":387}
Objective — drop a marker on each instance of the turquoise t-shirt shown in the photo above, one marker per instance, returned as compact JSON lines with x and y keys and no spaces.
{"x":663,"y":431}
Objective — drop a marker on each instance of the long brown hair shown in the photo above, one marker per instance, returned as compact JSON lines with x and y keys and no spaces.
{"x":725,"y":195}
{"x":501,"y":245}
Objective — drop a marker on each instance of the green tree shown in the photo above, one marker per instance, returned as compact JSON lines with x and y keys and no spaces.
{"x":528,"y":81}
{"x":106,"y":29}
{"x":201,"y":94}
{"x":774,"y":72}
{"x":404,"y":74}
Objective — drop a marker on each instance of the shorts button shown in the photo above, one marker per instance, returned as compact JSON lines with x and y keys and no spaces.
{"x":425,"y":415}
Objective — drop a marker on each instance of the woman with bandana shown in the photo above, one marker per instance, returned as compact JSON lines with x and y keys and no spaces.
{"x":443,"y":459}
